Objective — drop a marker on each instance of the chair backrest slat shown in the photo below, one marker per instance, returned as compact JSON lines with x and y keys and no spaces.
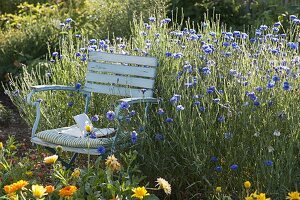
{"x":122,"y":69}
{"x":119,"y":80}
{"x":122,"y":75}
{"x":109,"y":57}
{"x":121,"y":91}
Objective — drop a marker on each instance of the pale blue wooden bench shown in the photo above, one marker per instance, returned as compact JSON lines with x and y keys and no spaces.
{"x":130,"y":77}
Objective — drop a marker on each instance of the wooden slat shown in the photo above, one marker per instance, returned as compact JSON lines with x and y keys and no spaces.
{"x":121,"y":69}
{"x":114,"y":90}
{"x":120,"y":80}
{"x":149,"y":61}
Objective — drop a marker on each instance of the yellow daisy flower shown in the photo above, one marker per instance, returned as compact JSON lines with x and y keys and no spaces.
{"x":293,"y":196}
{"x":139,"y":192}
{"x":38,"y":191}
{"x":247,"y":184}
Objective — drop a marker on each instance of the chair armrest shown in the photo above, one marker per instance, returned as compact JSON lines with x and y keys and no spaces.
{"x":139,"y":100}
{"x":40,"y":88}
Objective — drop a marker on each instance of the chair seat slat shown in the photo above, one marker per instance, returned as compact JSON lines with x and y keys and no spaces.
{"x":109,"y":57}
{"x":121,"y":69}
{"x":115,"y":90}
{"x":120,"y":80}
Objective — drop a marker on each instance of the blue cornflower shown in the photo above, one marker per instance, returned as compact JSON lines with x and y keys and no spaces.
{"x":275,"y":78}
{"x":121,"y":46}
{"x":202,"y":108}
{"x":77,"y":54}
{"x":234,"y":167}
{"x":101,"y":150}
{"x":252,"y":96}
{"x":175,"y":98}
{"x":124,"y":105}
{"x":296,"y":21}
{"x":95,"y":118}
{"x":168,"y":54}
{"x":54,"y":54}
{"x":78,"y":36}
{"x":275,"y":29}
{"x":206,"y":70}
{"x":93,"y":41}
{"x":221,"y":119}
{"x":160,"y":111}
{"x":211,"y":89}
{"x":292,"y":17}
{"x":194,"y":37}
{"x":259,"y":89}
{"x":197,"y":103}
{"x":226,"y":44}
{"x":151,"y":19}
{"x":263,"y":27}
{"x":77,"y":86}
{"x":134,"y":137}
{"x":271,"y":84}
{"x":166,"y":21}
{"x":276,"y":24}
{"x":214,"y":159}
{"x":93,"y":135}
{"x":218,"y":168}
{"x":292,"y":45}
{"x":132,"y":113}
{"x":169,"y":120}
{"x":232,"y":72}
{"x":269,"y":163}
{"x":244,"y":36}
{"x":177,"y":55}
{"x":286,"y":86}
{"x":159,"y":137}
{"x":70,"y":104}
{"x":236,"y":34}
{"x":110,"y":115}
{"x":256,"y":103}
{"x":179,"y":108}
{"x":68,"y":20}
{"x":216,"y":100}
{"x":213,"y":34}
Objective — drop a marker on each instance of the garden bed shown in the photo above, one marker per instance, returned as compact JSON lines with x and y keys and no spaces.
{"x":16,"y":126}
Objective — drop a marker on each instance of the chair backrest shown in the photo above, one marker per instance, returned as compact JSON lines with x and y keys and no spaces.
{"x":122,"y":75}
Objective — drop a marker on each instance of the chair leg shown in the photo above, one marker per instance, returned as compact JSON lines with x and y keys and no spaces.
{"x":67,"y":165}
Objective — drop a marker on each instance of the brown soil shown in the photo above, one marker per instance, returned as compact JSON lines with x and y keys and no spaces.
{"x":16,"y":126}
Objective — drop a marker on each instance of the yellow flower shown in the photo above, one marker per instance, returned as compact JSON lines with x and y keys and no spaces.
{"x":49,"y":188}
{"x":218,"y":189}
{"x":50,"y":159}
{"x":139,"y":192}
{"x":293,"y":196}
{"x":163,"y":184}
{"x":112,"y":163}
{"x":247,"y":184}
{"x":88,"y":128}
{"x":261,"y":196}
{"x":38,"y":191}
{"x":76,"y":173}
{"x":1,"y":145}
{"x":67,"y":191}
{"x":29,"y":173}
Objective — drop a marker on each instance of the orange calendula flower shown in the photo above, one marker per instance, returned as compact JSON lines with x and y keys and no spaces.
{"x":50,"y":159}
{"x":49,"y":189}
{"x":139,"y":192}
{"x":67,"y":191}
{"x":293,"y":196}
{"x":12,"y":188}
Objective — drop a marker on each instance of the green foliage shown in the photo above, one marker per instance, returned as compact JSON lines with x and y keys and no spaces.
{"x":5,"y":116}
{"x":238,"y":14}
